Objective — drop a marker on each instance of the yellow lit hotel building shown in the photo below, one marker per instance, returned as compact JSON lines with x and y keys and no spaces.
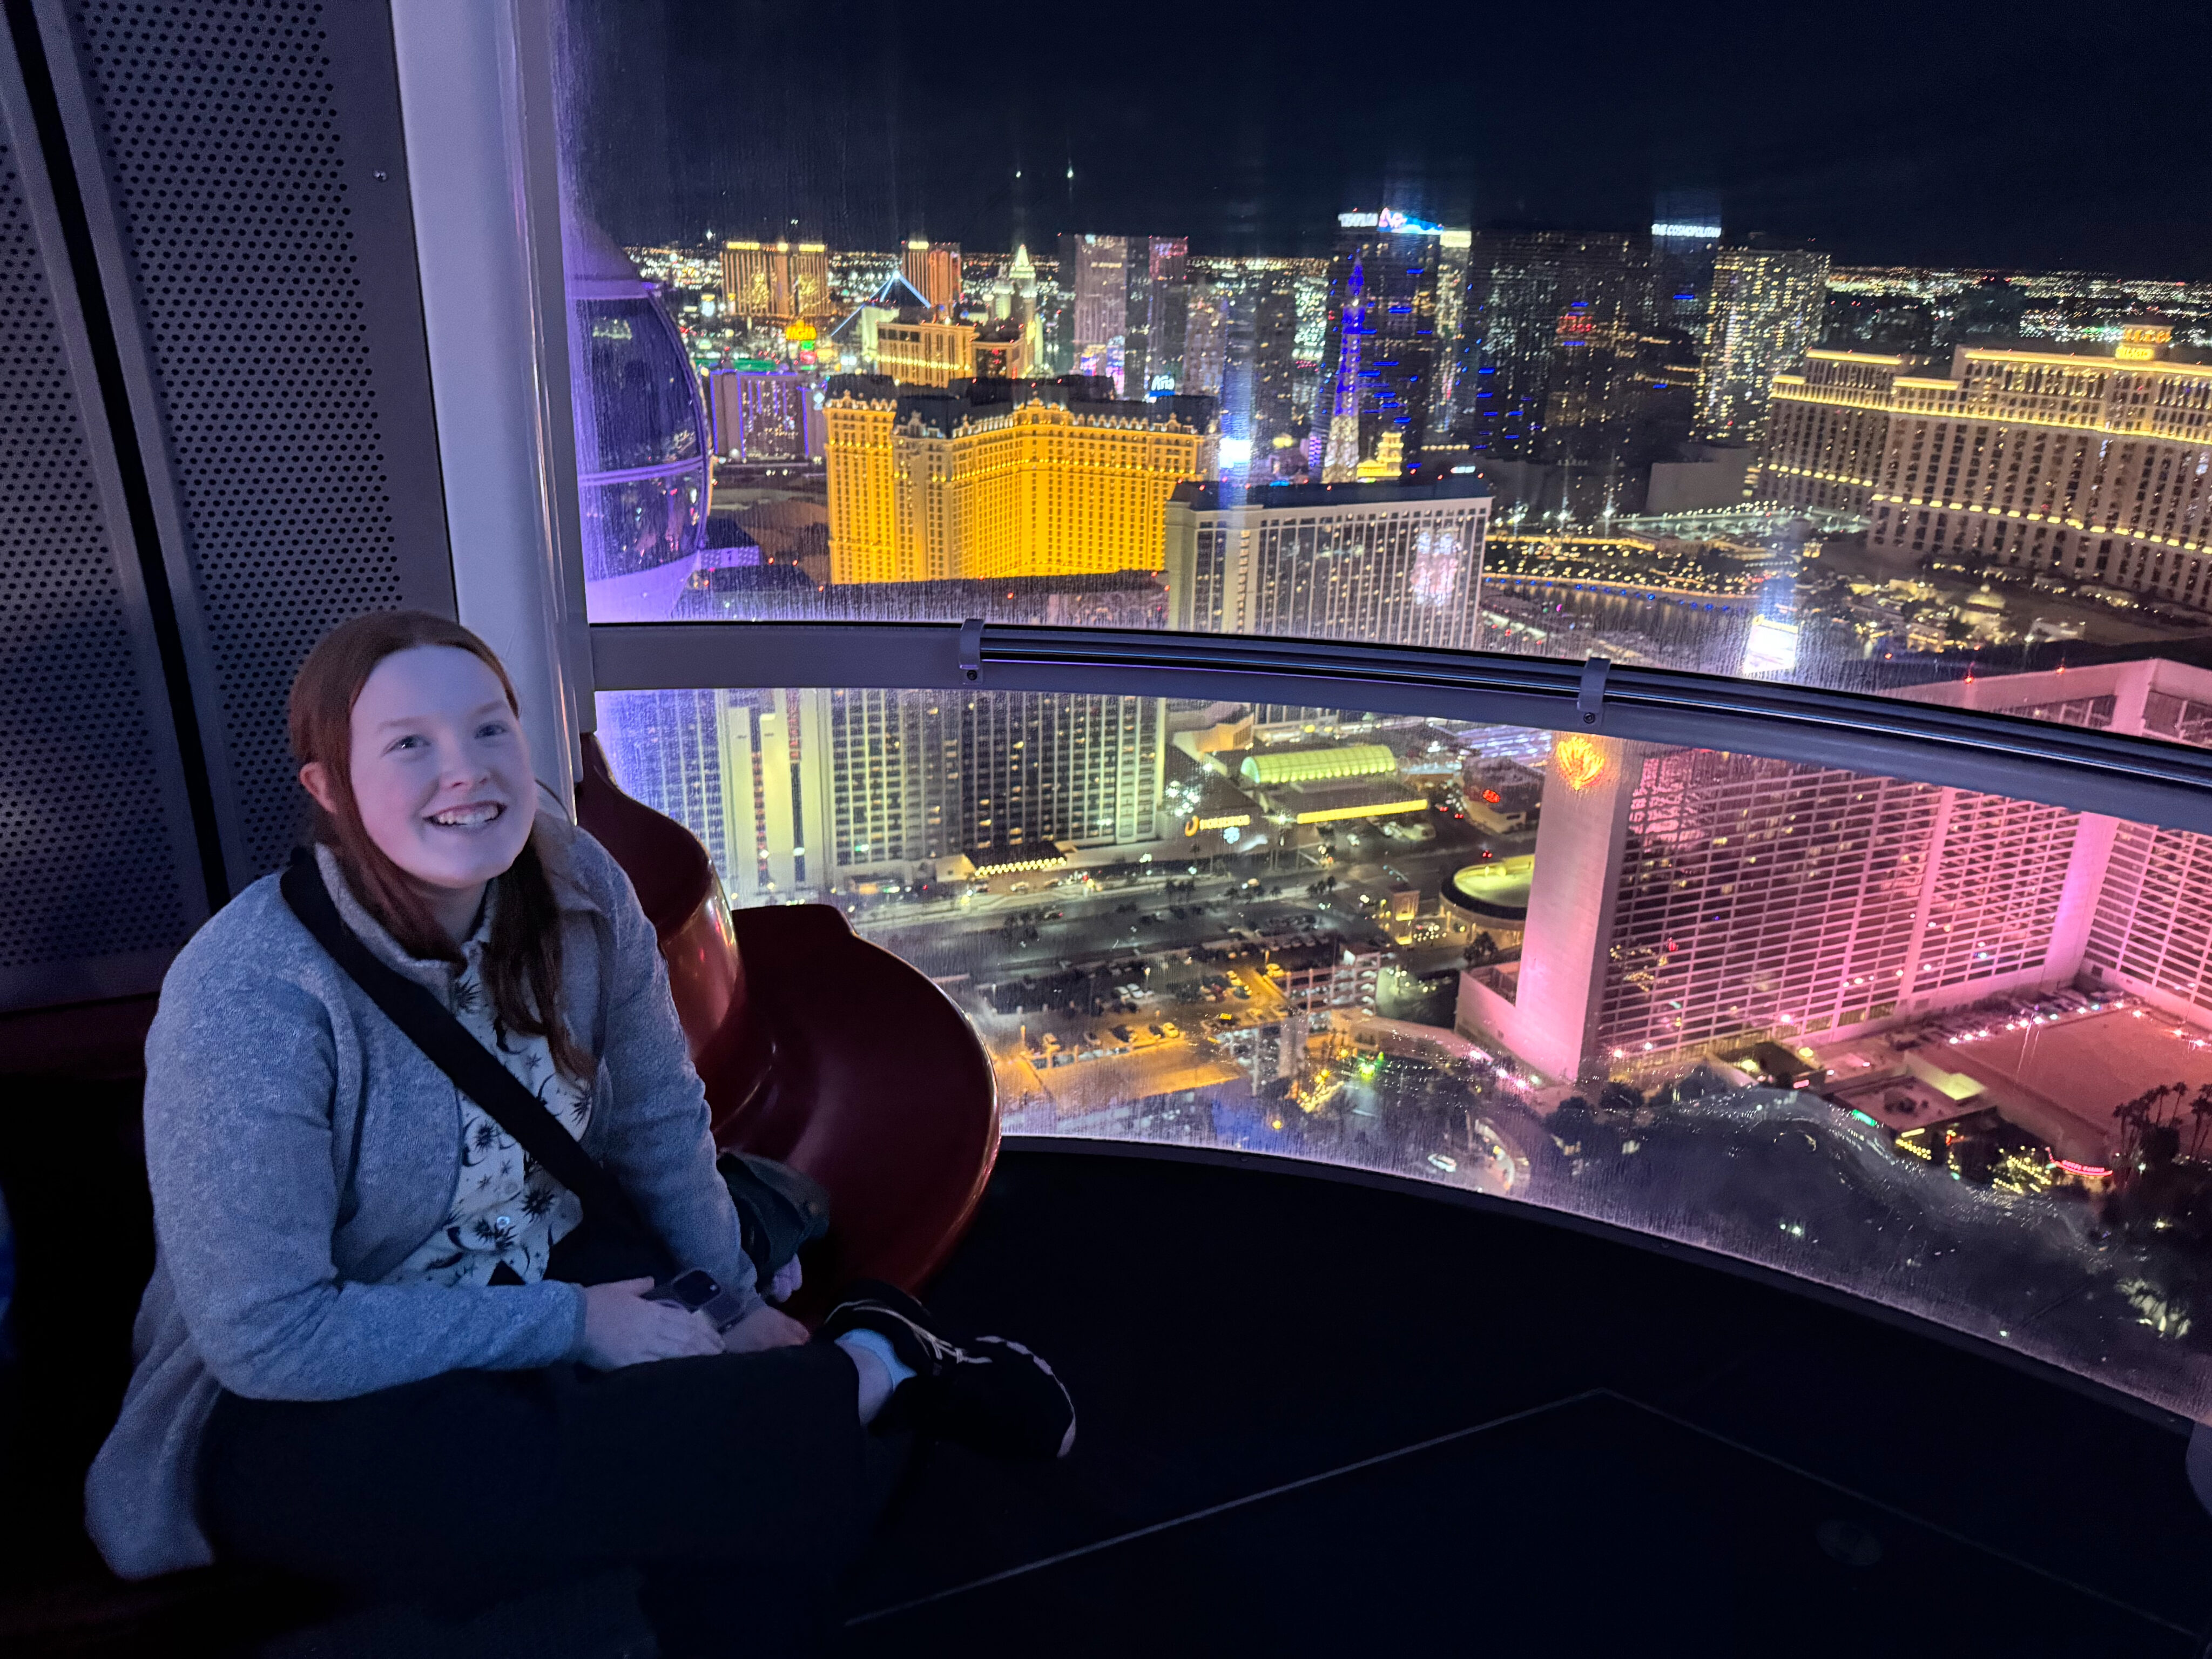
{"x":777,"y":282}
{"x":2093,"y":468}
{"x":930,"y":351}
{"x":1029,"y":479}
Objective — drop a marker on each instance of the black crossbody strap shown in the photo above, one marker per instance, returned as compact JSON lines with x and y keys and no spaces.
{"x":475,"y":1070}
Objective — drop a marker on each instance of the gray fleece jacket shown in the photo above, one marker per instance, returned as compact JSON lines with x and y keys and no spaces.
{"x":299,"y":1148}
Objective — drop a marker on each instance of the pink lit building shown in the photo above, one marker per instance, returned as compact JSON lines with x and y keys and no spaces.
{"x":1688,"y":899}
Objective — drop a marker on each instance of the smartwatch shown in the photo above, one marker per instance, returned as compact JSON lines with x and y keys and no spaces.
{"x":699,"y":1291}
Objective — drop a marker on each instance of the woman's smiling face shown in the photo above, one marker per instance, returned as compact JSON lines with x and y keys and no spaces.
{"x":440,"y":770}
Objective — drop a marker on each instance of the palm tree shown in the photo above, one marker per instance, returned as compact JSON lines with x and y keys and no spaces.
{"x":2200,"y":1110}
{"x":2134,"y":1117}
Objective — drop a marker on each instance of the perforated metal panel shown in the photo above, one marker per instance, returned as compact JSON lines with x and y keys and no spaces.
{"x":242,"y":170}
{"x":98,"y":877}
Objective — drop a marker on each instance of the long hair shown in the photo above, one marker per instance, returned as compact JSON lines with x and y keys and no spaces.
{"x":522,"y":958}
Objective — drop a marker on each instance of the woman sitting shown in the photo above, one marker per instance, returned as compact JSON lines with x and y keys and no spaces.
{"x":362,"y":1357}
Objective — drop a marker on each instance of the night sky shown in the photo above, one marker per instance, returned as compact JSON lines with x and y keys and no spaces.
{"x":2015,"y":136}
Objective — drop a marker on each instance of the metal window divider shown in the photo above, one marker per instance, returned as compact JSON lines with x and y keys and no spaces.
{"x":2143,"y":779}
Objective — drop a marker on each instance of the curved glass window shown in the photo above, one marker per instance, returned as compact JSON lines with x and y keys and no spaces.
{"x":1389,"y":414}
{"x":1947,"y":1049}
{"x":1282,"y":370}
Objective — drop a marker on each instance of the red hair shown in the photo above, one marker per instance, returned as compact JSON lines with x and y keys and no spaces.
{"x":522,"y":958}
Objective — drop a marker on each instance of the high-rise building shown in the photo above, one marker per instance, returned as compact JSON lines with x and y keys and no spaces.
{"x":925,"y":349}
{"x":763,"y":416}
{"x":1688,"y":899}
{"x":798,"y":792}
{"x":1156,"y":314}
{"x":1454,"y":248}
{"x":1003,"y":477}
{"x":1828,"y":429}
{"x":1765,"y":312}
{"x":1206,"y":341}
{"x":1557,"y":327}
{"x":1259,"y":386}
{"x":1379,"y":357}
{"x":918,"y":779}
{"x":777,"y":282}
{"x":1686,"y":235}
{"x":1094,"y":278}
{"x":1392,"y":562}
{"x":2089,"y":466}
{"x":933,"y":269}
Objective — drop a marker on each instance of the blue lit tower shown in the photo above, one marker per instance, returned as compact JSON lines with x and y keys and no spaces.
{"x":1348,"y":322}
{"x":1686,"y":233}
{"x":1381,"y":343}
{"x":642,"y":458}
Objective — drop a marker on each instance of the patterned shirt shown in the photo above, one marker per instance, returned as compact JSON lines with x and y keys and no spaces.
{"x":507,"y":1212}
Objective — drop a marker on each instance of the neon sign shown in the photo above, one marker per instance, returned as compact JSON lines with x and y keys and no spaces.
{"x":1580,"y":761}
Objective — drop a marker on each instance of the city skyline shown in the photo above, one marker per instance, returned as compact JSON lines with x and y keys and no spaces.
{"x":867,"y":158}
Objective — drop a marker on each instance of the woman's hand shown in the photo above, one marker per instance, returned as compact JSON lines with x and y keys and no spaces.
{"x":763,"y":1328}
{"x":621,"y":1328}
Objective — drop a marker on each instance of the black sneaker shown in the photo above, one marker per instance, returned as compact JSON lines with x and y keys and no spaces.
{"x":990,"y":1393}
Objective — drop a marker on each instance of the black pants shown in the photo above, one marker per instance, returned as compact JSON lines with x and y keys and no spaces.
{"x":740,"y":1484}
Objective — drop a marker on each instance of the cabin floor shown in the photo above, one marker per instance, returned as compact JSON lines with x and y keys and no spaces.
{"x":1321,"y":1414}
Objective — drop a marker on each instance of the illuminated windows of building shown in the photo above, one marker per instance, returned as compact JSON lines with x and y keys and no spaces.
{"x":805,"y":791}
{"x":2088,"y":466}
{"x":763,"y":416}
{"x":1827,"y":431}
{"x":933,"y":269}
{"x":1380,"y":356}
{"x":1685,"y":234}
{"x":1691,"y":897}
{"x":1094,"y":277}
{"x":777,"y":282}
{"x":926,"y":350}
{"x":1760,"y":323}
{"x":1395,"y":563}
{"x":1562,"y":374}
{"x":929,"y":486}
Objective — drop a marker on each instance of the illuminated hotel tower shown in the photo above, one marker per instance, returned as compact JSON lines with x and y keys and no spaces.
{"x":1759,"y":323}
{"x":1381,"y":346}
{"x":1828,"y":429}
{"x":1094,"y":274}
{"x":2091,"y":466}
{"x":1686,"y":236}
{"x":777,"y":282}
{"x":1688,"y":899}
{"x":933,"y":269}
{"x":1393,"y":563}
{"x":798,"y":792}
{"x":1340,"y":460}
{"x":1003,"y":478}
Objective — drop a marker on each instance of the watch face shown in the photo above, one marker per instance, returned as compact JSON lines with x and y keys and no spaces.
{"x":695,"y":1289}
